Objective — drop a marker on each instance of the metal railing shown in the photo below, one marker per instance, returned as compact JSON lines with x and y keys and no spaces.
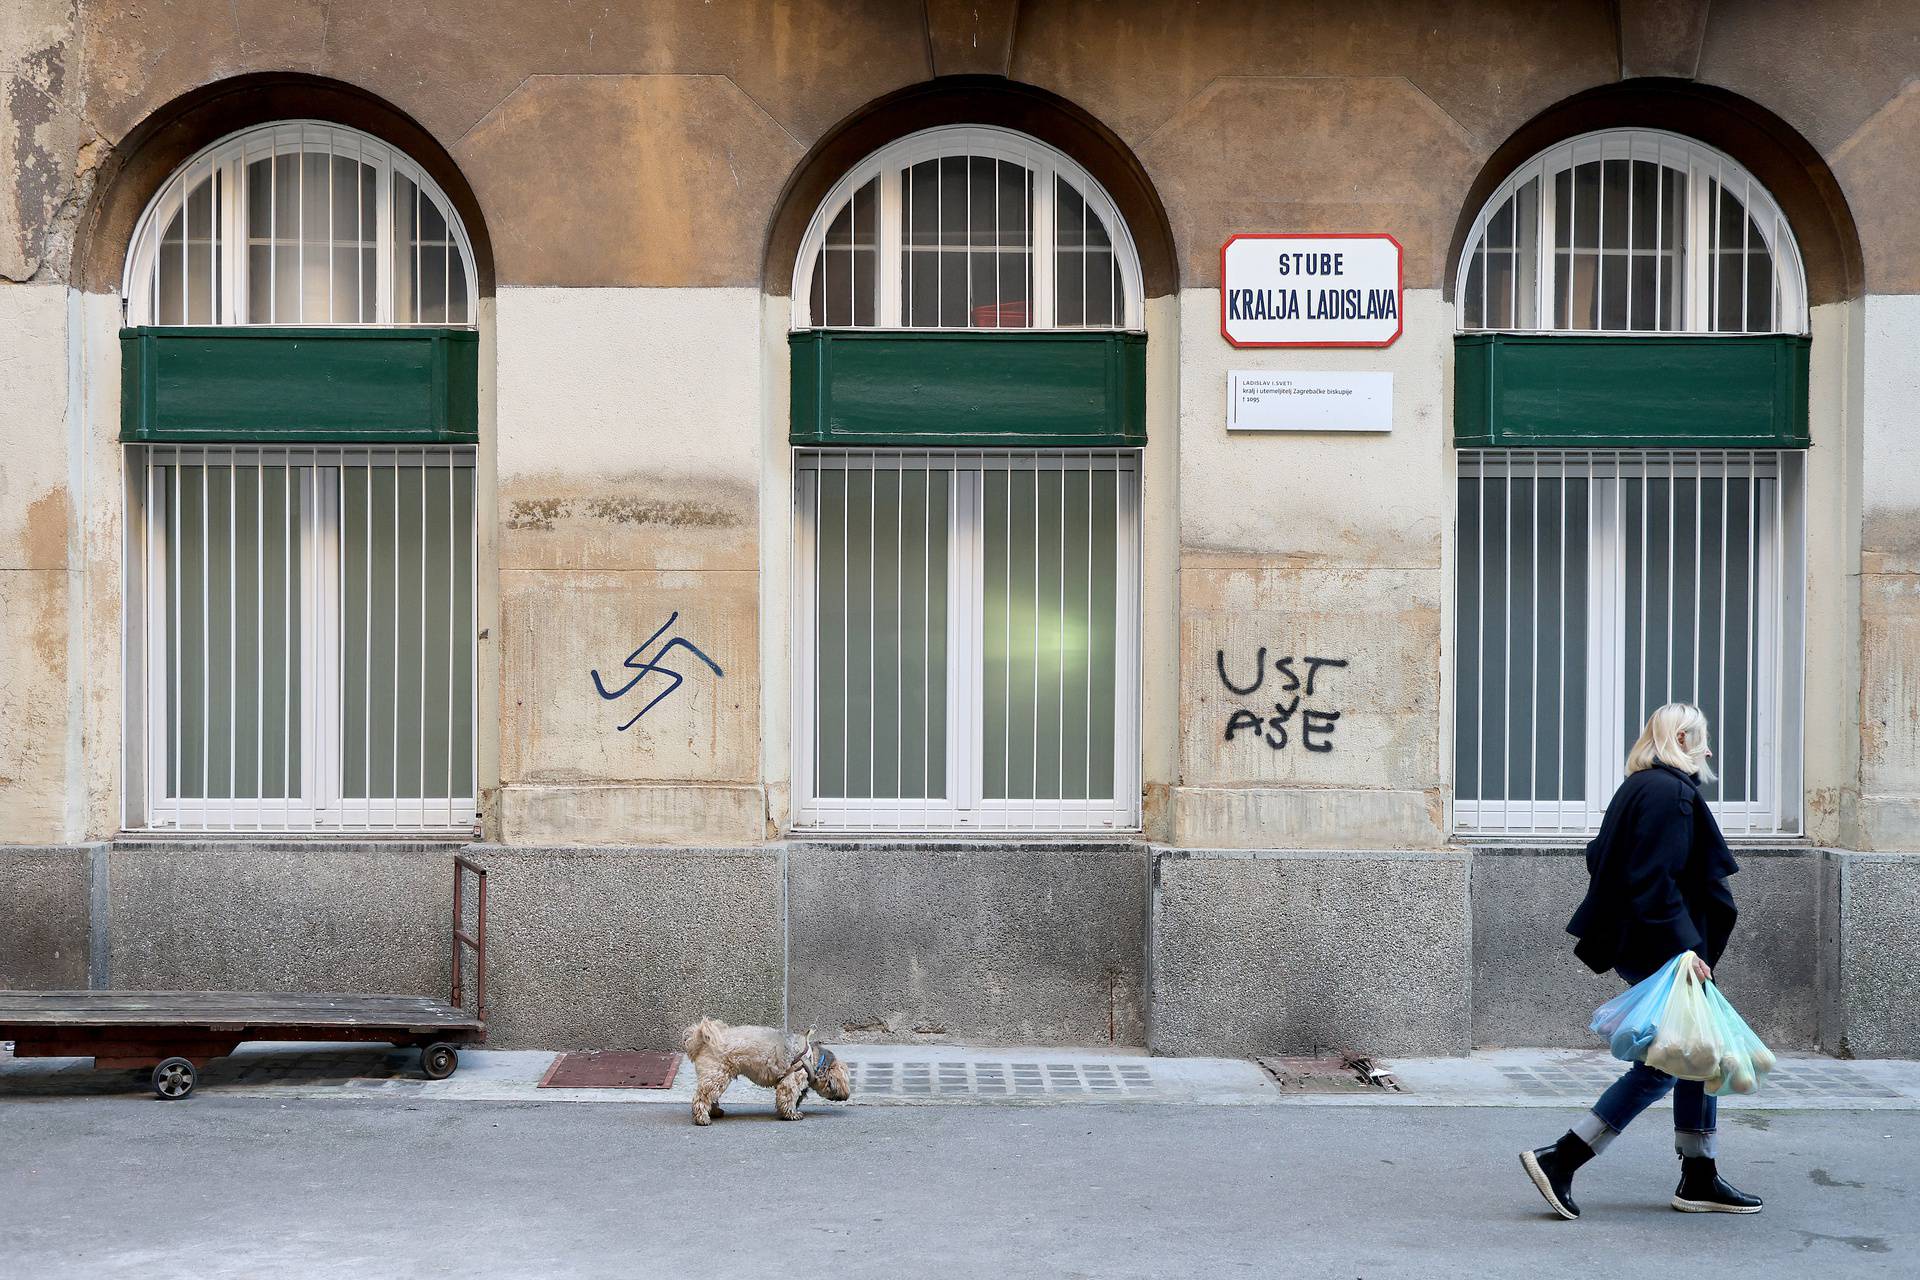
{"x":475,"y":941}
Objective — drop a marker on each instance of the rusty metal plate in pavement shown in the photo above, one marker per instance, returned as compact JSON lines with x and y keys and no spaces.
{"x":610,"y":1069}
{"x":1329,"y":1073}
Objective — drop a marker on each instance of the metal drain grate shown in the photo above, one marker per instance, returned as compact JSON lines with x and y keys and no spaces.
{"x":1586,"y":1078}
{"x":597,"y":1069}
{"x":1329,"y":1073}
{"x":905,"y":1079}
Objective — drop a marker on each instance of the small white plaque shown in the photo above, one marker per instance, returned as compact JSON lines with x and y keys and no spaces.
{"x":1287,"y":400}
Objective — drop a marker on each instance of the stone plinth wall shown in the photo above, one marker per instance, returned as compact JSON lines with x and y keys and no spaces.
{"x":1184,"y":951}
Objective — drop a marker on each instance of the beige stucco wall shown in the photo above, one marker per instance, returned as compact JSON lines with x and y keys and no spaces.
{"x":1832,"y":664}
{"x":60,"y":529}
{"x":1320,"y":544}
{"x":676,"y":123}
{"x":629,"y":474}
{"x":35,"y":536}
{"x":628,"y":161}
{"x":1889,"y":699}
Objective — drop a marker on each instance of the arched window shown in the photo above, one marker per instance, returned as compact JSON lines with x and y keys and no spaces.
{"x":967,"y":228}
{"x":967,"y":612}
{"x":301,"y":552}
{"x":1621,"y":541}
{"x":300,"y":223}
{"x":1632,"y":231}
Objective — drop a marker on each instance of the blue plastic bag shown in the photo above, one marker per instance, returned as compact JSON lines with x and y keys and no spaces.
{"x":1630,"y":1020}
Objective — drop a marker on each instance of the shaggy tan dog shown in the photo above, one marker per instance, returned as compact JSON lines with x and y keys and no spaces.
{"x":788,"y":1065}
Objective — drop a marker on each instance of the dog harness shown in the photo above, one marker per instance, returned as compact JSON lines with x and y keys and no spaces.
{"x":823,"y":1061}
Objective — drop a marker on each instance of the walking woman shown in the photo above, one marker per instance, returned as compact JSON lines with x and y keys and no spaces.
{"x":1658,"y":887}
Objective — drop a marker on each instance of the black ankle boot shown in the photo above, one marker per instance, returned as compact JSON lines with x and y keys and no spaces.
{"x":1552,"y":1168}
{"x":1703,"y":1190}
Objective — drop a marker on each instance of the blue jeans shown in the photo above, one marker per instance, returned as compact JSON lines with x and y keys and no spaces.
{"x":1695,"y":1111}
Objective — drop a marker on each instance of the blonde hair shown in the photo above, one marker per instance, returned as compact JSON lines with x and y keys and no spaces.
{"x":1659,"y":742}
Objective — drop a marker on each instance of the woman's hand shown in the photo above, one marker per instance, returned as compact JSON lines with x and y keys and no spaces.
{"x":1702,"y":970}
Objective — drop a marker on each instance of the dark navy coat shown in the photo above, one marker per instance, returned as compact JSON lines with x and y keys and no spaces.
{"x":1657,"y":878}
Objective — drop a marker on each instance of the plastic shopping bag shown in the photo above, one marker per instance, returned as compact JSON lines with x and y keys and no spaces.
{"x":1631,"y":1019}
{"x":1689,"y":1043}
{"x":1744,"y":1061}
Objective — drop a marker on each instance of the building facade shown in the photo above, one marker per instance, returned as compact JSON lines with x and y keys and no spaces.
{"x":765,"y":475}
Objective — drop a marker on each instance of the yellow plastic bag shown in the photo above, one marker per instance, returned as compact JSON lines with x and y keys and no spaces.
{"x":1690,"y":1044}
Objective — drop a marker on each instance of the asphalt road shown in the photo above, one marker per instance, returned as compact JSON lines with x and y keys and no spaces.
{"x":232,"y":1186}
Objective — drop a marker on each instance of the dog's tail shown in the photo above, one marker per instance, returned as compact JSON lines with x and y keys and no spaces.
{"x":699,"y":1033}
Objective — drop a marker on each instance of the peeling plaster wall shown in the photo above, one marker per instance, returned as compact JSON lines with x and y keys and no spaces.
{"x":628,"y":161}
{"x":47,"y":154}
{"x":60,"y":565}
{"x":36,"y":579}
{"x":628,"y":502}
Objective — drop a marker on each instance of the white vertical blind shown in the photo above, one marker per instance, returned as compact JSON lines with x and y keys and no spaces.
{"x":1595,"y":586}
{"x":306,"y":640}
{"x":967,"y":633}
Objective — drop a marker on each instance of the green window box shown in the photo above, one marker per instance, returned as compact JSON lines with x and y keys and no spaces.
{"x":275,"y":385}
{"x":969,"y":388}
{"x":1653,"y":391}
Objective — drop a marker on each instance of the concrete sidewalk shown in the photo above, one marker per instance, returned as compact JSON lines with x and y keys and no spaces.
{"x":948,"y":1075}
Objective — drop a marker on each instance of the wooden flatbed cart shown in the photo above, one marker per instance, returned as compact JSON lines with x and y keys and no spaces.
{"x":175,"y":1033}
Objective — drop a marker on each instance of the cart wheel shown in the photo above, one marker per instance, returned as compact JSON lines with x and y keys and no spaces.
{"x":173,"y":1079}
{"x":438,"y":1061}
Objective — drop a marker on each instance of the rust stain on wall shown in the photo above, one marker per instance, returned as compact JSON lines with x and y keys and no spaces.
{"x":536,"y":513}
{"x":43,"y":536}
{"x":672,"y":514}
{"x":545,"y":513}
{"x":629,"y":521}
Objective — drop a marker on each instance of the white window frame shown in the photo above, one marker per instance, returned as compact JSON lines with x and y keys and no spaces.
{"x":1672,"y":151}
{"x":321,"y":614}
{"x":964,"y":807}
{"x":230,"y":156}
{"x":1043,"y":162}
{"x":1774,"y":734}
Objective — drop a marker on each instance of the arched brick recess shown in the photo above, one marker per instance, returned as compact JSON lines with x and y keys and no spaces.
{"x":1784,"y":162}
{"x":143,"y":161}
{"x":975,"y":100}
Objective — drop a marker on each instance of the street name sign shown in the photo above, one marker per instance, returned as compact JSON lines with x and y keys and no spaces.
{"x":1311,"y":290}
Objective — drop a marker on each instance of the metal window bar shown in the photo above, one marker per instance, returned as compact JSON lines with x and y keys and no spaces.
{"x":940,"y":239}
{"x":1021,"y":608}
{"x":1662,"y":314}
{"x":907,"y":296}
{"x":1594,"y":635}
{"x":218,"y":617}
